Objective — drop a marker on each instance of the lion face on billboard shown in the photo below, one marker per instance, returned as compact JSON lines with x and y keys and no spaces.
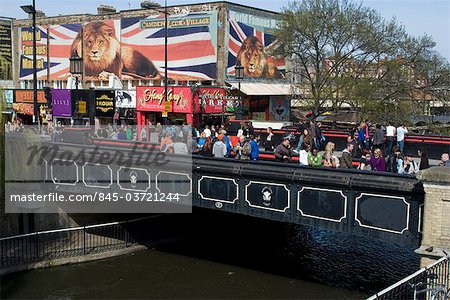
{"x":104,"y":55}
{"x":255,"y":61}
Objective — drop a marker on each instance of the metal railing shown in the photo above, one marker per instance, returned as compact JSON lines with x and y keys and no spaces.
{"x":423,"y":284}
{"x":63,"y":243}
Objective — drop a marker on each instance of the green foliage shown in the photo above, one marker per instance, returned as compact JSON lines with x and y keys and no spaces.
{"x":348,"y":54}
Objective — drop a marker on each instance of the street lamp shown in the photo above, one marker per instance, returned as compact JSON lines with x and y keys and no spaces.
{"x":239,"y":75}
{"x":76,"y":67}
{"x":31,"y":9}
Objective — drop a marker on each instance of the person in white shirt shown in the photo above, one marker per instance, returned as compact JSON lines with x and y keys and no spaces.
{"x":178,"y":147}
{"x":303,"y":157}
{"x":219,"y":147}
{"x":390,"y":136}
{"x":207,"y":131}
{"x":401,"y":130}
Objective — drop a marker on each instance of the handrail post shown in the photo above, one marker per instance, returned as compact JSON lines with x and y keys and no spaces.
{"x":84,"y":239}
{"x":126,"y":233}
{"x":36,"y":243}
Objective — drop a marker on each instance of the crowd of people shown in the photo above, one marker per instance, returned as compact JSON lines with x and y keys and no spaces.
{"x":377,"y":152}
{"x":380,"y":150}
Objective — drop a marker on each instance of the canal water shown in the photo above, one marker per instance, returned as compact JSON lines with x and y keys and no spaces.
{"x":220,"y":255}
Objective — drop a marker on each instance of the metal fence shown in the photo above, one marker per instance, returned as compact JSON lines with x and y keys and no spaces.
{"x":431,"y":282}
{"x":68,"y":242}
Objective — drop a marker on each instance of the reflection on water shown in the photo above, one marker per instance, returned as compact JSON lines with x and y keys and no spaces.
{"x":228,"y":256}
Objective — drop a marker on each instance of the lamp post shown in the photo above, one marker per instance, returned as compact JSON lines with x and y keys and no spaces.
{"x":31,"y":9}
{"x":239,"y":75}
{"x":76,"y":69}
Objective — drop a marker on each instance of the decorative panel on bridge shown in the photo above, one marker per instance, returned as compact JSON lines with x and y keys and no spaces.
{"x":324,"y":204}
{"x":96,"y":175}
{"x":174,"y":183}
{"x":218,"y":189}
{"x":133,"y":179}
{"x":381,"y":212}
{"x":267,"y":196}
{"x":64,"y":172}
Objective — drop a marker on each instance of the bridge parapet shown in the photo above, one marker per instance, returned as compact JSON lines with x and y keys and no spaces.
{"x":381,"y":205}
{"x":436,"y":211}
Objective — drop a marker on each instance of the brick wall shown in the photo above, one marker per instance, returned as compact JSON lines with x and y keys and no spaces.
{"x":436,"y":220}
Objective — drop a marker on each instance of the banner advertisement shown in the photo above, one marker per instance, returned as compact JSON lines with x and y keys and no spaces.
{"x":279,"y":108}
{"x":61,"y":39}
{"x":61,"y":103}
{"x":5,"y":50}
{"x":126,"y":99}
{"x":104,"y":104}
{"x":253,"y":43}
{"x":191,"y":52}
{"x":27,"y":96}
{"x":152,"y":99}
{"x":26,"y":52}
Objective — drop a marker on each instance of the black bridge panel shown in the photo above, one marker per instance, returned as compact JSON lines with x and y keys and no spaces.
{"x":386,"y":213}
{"x":174,"y":183}
{"x":64,"y":172}
{"x":133,"y":179}
{"x":218,"y":189}
{"x":322,"y":204}
{"x":268,"y":196}
{"x":98,"y":176}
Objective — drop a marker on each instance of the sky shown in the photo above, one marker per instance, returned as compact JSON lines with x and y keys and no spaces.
{"x":419,"y":17}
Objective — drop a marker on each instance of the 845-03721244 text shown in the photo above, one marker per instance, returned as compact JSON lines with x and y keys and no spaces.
{"x":97,"y":196}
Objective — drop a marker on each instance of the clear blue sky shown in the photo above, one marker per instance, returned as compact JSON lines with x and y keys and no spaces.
{"x":418,"y":16}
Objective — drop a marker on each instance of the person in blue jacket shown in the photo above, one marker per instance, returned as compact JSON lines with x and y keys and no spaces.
{"x":254,"y":154}
{"x":227,"y":142}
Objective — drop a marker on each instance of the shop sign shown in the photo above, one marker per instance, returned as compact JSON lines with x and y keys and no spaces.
{"x":82,"y":107}
{"x":24,"y":108}
{"x":214,"y":100}
{"x":61,"y":103}
{"x":153,"y":99}
{"x":104,"y":104}
{"x":126,"y":99}
{"x":26,"y":96}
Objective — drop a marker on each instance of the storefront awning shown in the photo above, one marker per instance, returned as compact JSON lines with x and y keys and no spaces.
{"x":263,"y":89}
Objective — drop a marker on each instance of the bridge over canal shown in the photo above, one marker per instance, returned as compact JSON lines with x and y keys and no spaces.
{"x":383,"y":205}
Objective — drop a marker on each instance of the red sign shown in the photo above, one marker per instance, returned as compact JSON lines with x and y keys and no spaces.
{"x":215,"y":100}
{"x":27,"y":96}
{"x":152,"y":99}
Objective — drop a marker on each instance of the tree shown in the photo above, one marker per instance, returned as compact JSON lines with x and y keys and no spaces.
{"x":347,"y":53}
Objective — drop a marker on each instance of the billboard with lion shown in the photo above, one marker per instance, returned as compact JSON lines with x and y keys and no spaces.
{"x":129,"y":48}
{"x":252,"y":42}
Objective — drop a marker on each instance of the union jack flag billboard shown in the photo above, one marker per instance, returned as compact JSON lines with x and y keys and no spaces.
{"x":192,"y":44}
{"x":255,"y":46}
{"x":61,"y":38}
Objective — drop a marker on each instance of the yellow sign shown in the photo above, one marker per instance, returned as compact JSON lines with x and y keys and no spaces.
{"x":164,"y":114}
{"x":167,"y":105}
{"x":82,"y":107}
